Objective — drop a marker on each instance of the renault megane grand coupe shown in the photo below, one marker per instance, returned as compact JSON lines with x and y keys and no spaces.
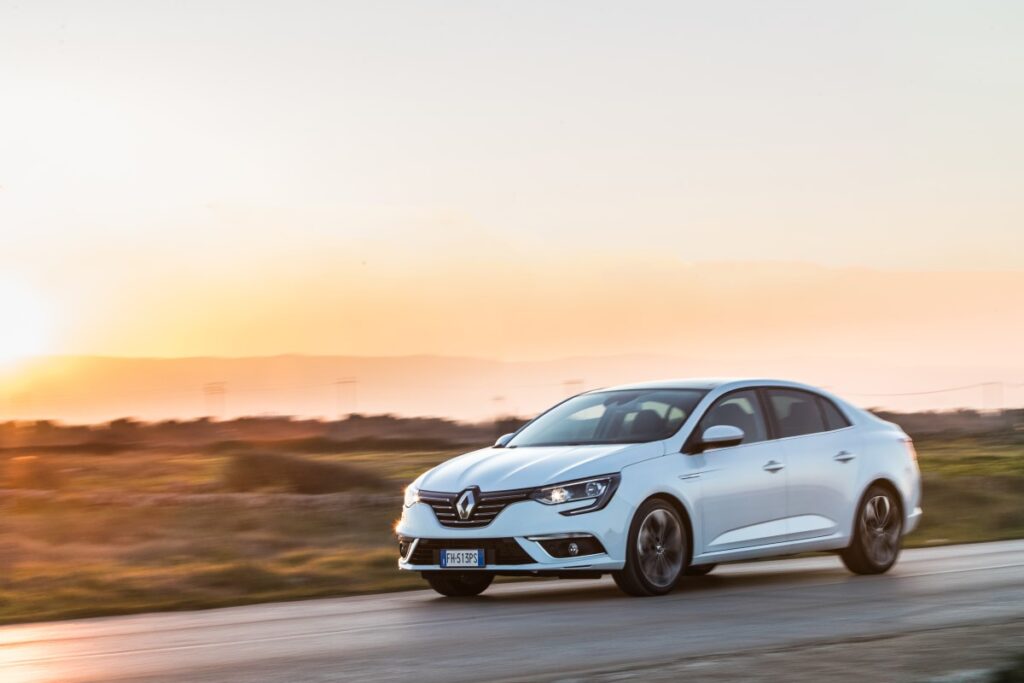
{"x":650,"y":482}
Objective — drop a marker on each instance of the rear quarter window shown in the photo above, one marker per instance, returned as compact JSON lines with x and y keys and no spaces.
{"x":834,"y":418}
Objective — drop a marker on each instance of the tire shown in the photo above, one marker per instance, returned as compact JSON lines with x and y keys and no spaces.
{"x":656,"y":551}
{"x":459,"y":584}
{"x":699,"y":569}
{"x":877,"y":533}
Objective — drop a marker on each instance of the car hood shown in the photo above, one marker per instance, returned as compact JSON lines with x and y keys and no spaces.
{"x":499,"y":469}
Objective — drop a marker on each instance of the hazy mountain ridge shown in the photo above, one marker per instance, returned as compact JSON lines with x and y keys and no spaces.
{"x":89,"y":389}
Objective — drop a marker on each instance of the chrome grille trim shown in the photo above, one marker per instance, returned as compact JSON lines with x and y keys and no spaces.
{"x":488,"y":507}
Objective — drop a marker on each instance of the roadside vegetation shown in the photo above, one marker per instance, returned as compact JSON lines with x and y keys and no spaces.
{"x":90,"y":535}
{"x":973,"y":489}
{"x":138,"y":525}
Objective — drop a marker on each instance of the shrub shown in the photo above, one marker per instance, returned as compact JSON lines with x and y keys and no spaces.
{"x":253,"y":471}
{"x":31,"y":472}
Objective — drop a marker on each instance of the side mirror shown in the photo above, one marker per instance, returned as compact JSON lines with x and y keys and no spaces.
{"x":720,"y":436}
{"x":503,"y":440}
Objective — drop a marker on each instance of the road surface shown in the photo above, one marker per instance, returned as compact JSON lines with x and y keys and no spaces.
{"x":550,"y":630}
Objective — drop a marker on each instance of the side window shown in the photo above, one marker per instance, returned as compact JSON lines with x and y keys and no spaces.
{"x":833,"y":418}
{"x":796,"y":412}
{"x":739,"y":409}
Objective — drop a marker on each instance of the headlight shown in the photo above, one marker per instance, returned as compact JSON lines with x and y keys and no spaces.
{"x":598,"y":489}
{"x":412,"y":495}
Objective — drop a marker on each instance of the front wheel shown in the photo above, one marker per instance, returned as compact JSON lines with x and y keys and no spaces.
{"x":459,"y":584}
{"x":877,"y":534}
{"x":656,"y":551}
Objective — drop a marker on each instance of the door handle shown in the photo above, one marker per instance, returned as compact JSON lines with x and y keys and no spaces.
{"x":772,"y":466}
{"x":843,"y":456}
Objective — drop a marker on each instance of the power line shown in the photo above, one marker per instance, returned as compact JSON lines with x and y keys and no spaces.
{"x":947,"y":390}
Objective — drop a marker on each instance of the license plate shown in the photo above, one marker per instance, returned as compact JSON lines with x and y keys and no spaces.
{"x":462,"y":558}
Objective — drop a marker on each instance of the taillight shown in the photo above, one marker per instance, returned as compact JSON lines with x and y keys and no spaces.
{"x":909,"y":443}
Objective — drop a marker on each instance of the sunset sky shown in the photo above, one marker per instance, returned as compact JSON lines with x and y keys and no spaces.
{"x":735,"y":181}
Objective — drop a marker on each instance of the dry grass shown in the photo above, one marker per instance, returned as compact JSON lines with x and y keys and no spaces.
{"x":65,"y":558}
{"x":145,"y":530}
{"x":32,"y":472}
{"x":279,"y":471}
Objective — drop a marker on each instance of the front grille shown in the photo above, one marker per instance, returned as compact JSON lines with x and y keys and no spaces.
{"x":496,"y":550}
{"x":487,"y":508}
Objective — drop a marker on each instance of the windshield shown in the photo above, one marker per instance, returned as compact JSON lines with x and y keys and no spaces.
{"x":626,"y":416}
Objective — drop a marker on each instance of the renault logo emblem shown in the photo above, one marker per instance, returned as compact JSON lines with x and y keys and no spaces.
{"x":466,"y":504}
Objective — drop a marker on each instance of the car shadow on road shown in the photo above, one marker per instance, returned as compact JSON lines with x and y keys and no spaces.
{"x":590,"y":590}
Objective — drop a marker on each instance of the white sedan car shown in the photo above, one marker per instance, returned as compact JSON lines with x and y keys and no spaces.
{"x":650,"y":482}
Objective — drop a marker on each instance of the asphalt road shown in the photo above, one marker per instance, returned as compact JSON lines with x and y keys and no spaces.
{"x":536,"y":630}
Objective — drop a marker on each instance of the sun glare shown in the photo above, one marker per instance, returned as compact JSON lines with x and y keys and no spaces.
{"x":23,"y":323}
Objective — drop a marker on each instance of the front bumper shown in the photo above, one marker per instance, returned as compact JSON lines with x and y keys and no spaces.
{"x":525,"y":523}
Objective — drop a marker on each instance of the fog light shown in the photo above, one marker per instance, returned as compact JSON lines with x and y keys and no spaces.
{"x":569,"y":545}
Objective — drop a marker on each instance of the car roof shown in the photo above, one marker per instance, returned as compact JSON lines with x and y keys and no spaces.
{"x":710,"y":383}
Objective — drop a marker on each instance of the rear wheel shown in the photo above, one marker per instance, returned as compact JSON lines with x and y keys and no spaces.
{"x":877,"y":535}
{"x":656,"y":551}
{"x":699,"y":569}
{"x":459,"y":584}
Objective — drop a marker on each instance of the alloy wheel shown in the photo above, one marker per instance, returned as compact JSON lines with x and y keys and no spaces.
{"x":659,"y":548}
{"x":880,"y":530}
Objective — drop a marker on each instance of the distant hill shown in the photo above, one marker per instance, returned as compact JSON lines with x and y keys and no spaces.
{"x":88,"y":389}
{"x":92,"y":389}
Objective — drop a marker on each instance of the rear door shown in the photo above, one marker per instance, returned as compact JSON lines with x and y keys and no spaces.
{"x":743,"y":488}
{"x":821,"y":459}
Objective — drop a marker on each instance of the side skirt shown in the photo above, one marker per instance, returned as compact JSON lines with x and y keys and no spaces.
{"x":836,"y":541}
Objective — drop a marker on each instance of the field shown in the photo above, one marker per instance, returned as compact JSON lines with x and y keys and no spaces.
{"x":85,"y":533}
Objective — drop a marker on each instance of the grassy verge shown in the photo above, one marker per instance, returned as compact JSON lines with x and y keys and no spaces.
{"x":147,"y":530}
{"x":65,"y":558}
{"x":973,"y":490}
